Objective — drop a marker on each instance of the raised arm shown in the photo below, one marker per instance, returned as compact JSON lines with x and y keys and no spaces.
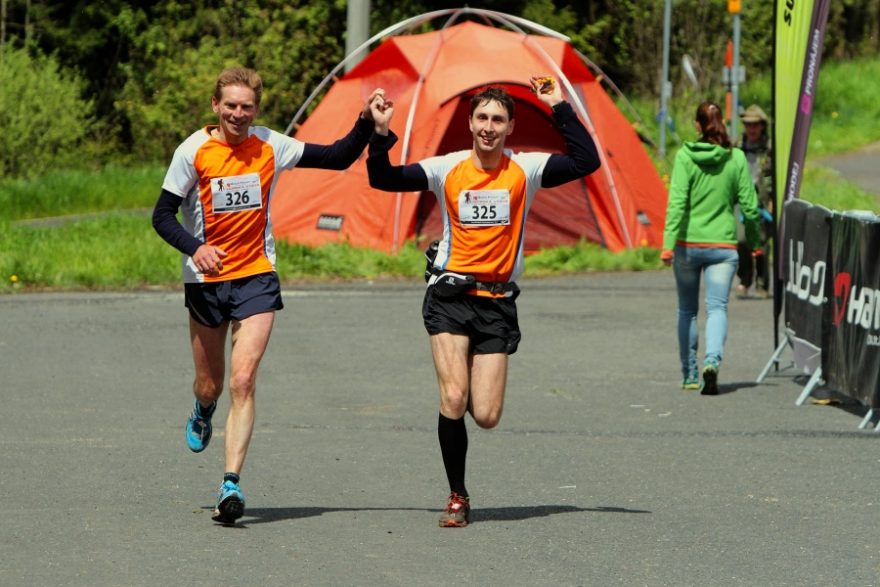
{"x":383,"y":175}
{"x":342,"y":153}
{"x":581,"y":157}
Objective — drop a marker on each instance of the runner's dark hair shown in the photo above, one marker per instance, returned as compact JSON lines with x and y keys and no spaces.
{"x":712,"y":125}
{"x":496,"y":94}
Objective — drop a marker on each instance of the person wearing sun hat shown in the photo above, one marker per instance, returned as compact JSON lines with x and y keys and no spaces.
{"x":755,"y":143}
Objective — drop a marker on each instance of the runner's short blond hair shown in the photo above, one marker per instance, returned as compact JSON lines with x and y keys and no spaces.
{"x":239,"y":76}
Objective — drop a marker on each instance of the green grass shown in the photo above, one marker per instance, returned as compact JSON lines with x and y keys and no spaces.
{"x":824,"y":186}
{"x":340,"y":261}
{"x":118,"y":251}
{"x":586,"y":256}
{"x":61,"y":193}
{"x":846,"y":112}
{"x":121,"y":251}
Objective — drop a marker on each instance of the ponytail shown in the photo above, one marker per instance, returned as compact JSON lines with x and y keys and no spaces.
{"x":712,"y":125}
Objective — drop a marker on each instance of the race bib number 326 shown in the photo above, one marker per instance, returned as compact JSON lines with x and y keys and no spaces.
{"x":484,"y":207}
{"x":237,"y":193}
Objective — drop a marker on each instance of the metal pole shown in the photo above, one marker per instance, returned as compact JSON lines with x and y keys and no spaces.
{"x":734,"y":77}
{"x":358,"y":27}
{"x":2,"y":24}
{"x":665,"y":86}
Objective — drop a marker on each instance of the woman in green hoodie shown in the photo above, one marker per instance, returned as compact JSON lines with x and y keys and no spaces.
{"x":709,"y":178}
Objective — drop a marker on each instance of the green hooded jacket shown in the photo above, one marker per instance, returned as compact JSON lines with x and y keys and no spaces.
{"x":707,"y":182}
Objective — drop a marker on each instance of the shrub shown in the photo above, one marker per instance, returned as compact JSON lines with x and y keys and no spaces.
{"x":45,"y":120}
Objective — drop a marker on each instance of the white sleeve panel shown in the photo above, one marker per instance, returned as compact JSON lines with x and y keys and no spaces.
{"x":288,"y":150}
{"x":437,"y":168}
{"x":181,"y":177}
{"x":533,"y":165}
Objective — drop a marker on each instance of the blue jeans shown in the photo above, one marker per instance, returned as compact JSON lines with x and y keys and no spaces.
{"x":719,"y":266}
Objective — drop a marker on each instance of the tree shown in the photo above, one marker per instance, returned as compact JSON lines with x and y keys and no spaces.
{"x":147,"y":66}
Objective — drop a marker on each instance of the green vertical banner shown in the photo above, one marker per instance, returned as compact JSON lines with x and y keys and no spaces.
{"x":798,"y":35}
{"x":800,"y":31}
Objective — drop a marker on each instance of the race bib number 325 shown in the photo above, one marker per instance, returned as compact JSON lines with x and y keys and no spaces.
{"x":484,"y":207}
{"x":237,"y":193}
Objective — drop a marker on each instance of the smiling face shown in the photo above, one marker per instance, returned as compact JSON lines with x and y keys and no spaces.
{"x":236,"y":110}
{"x":490,"y":125}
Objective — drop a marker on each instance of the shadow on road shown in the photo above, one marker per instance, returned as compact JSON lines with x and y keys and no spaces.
{"x":508,"y":514}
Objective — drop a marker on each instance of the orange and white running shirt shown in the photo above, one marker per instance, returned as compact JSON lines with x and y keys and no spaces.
{"x":484,"y":212}
{"x":227,"y":193}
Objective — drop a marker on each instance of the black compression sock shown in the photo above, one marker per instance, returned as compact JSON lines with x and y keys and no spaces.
{"x":453,"y":446}
{"x":207,"y":412}
{"x":234,"y":477}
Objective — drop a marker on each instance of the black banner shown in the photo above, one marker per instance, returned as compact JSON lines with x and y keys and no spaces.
{"x":805,"y":252}
{"x":851,"y":329}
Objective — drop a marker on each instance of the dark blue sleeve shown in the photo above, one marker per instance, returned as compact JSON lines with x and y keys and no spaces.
{"x":342,"y":153}
{"x":165,"y":223}
{"x":581,"y":158}
{"x":392,"y":178}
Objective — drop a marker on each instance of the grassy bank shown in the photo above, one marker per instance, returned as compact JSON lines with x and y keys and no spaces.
{"x":74,"y":192}
{"x":78,"y":230}
{"x":120,"y":251}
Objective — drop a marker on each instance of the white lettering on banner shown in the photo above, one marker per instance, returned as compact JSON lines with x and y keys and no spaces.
{"x":804,"y":280}
{"x":795,"y":172}
{"x":863,"y":309}
{"x":815,"y":52}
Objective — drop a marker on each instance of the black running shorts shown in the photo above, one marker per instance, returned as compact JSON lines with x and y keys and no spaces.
{"x":490,"y":323}
{"x":211,"y":304}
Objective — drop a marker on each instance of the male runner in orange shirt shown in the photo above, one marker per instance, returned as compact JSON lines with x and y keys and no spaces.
{"x":469,"y":310}
{"x":224,"y":176}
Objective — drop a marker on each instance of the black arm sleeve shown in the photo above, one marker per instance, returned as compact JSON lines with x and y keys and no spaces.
{"x":342,"y":153}
{"x":392,"y":178}
{"x":582,"y":157}
{"x":165,"y":223}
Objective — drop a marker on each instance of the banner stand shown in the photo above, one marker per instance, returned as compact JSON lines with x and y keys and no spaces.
{"x":815,"y":379}
{"x":774,"y":359}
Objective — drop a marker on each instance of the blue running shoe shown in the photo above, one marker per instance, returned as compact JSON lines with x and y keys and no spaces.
{"x":230,"y":503}
{"x":198,"y":427}
{"x":691,"y":382}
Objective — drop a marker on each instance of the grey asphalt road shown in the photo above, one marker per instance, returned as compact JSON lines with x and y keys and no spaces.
{"x":602,"y":472}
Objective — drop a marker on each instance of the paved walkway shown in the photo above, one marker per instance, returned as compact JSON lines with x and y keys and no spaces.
{"x":603,"y":472}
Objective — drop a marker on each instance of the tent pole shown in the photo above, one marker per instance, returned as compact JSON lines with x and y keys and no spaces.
{"x":582,"y":110}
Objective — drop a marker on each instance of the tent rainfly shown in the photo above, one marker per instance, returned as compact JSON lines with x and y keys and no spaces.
{"x":431,"y":77}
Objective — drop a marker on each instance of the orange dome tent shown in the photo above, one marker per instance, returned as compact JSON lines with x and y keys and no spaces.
{"x":430,"y":77}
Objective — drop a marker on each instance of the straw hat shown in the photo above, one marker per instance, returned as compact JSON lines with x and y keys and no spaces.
{"x":754,"y":114}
